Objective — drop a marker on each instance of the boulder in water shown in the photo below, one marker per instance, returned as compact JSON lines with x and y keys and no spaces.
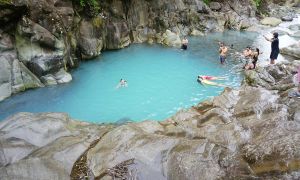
{"x":62,"y":76}
{"x":287,"y":18}
{"x":296,"y":34}
{"x":294,"y":27}
{"x":270,"y":21}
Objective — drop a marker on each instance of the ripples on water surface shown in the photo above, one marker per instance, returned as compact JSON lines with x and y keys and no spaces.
{"x":161,"y":81}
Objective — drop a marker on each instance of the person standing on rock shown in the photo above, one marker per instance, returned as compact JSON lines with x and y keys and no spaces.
{"x":223,"y":52}
{"x":274,"y":47}
{"x":184,"y":43}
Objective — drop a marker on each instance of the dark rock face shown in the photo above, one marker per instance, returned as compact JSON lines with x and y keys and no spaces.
{"x":245,"y":133}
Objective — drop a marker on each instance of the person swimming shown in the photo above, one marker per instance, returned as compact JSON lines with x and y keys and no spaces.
{"x":207,"y":82}
{"x":211,"y":77}
{"x":122,"y":83}
{"x":223,"y":52}
{"x":184,"y":43}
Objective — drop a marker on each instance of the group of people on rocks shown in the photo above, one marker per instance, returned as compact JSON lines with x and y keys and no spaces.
{"x":248,"y":52}
{"x":249,"y":55}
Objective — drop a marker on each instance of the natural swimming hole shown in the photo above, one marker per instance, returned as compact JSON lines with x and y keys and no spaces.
{"x":161,"y":81}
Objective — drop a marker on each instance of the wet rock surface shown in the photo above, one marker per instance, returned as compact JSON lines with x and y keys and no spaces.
{"x":245,"y":133}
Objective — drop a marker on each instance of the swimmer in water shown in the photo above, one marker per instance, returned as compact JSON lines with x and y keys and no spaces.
{"x":122,"y":83}
{"x":212,"y":77}
{"x":207,"y":82}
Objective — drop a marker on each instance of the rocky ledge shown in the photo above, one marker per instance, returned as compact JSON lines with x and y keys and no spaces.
{"x":248,"y":133}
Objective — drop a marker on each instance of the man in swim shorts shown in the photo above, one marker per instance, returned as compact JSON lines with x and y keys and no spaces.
{"x":223,"y":52}
{"x":185,"y":42}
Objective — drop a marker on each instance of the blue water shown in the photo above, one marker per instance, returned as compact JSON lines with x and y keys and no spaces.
{"x":161,"y":81}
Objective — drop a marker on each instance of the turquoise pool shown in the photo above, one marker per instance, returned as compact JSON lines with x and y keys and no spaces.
{"x":161,"y":81}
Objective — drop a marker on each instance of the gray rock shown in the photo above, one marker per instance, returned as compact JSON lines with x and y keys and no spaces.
{"x":292,"y":50}
{"x":270,"y":21}
{"x":287,"y":18}
{"x":56,"y":145}
{"x":62,"y":76}
{"x":90,"y":43}
{"x":171,"y":39}
{"x":296,"y":34}
{"x":49,"y":80}
{"x":215,"y":6}
{"x":294,"y":27}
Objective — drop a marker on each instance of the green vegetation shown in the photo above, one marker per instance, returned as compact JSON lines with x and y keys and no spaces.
{"x":257,"y":3}
{"x":92,"y":3}
{"x":206,"y":1}
{"x":5,"y":2}
{"x":91,"y":7}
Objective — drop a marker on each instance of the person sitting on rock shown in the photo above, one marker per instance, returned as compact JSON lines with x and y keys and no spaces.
{"x":185,"y":42}
{"x":254,"y":56}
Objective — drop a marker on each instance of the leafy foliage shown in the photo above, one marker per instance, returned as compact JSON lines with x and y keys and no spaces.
{"x":5,"y":1}
{"x":257,"y":3}
{"x":92,"y":3}
{"x":206,"y":1}
{"x":91,"y":7}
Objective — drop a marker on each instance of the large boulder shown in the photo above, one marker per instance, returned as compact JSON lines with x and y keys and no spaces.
{"x":215,"y":6}
{"x":90,"y":37}
{"x":270,"y":21}
{"x":117,"y":35}
{"x":171,"y":39}
{"x":14,"y":75}
{"x":292,"y":50}
{"x":56,"y":146}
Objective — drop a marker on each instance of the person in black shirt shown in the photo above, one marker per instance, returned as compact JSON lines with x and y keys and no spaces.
{"x":274,"y":47}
